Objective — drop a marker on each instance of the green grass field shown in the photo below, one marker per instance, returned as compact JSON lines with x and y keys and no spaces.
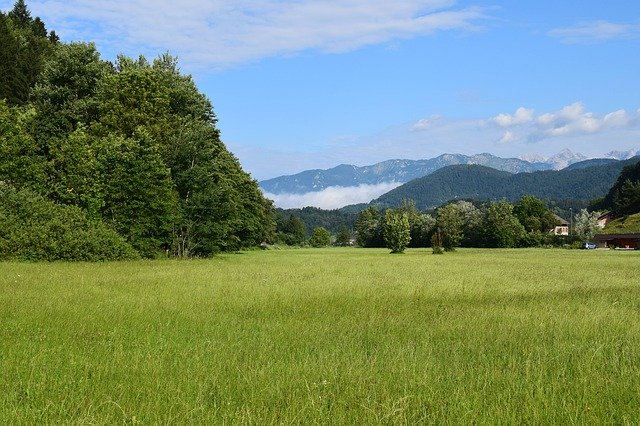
{"x":332,"y":336}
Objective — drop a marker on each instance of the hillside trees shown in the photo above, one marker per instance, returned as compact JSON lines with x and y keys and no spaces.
{"x":624,"y":196}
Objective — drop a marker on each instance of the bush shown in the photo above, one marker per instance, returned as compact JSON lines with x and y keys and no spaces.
{"x":436,"y":242}
{"x":32,"y":228}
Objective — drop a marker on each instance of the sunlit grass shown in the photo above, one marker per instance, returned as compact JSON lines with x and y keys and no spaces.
{"x":325,"y":336}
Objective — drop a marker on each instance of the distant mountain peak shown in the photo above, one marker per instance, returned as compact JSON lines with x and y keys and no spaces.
{"x":559,"y":161}
{"x":622,"y":155}
{"x":398,"y":170}
{"x":402,"y":170}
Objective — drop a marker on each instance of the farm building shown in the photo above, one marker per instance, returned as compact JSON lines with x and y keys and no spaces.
{"x":561,"y":228}
{"x":625,"y":241}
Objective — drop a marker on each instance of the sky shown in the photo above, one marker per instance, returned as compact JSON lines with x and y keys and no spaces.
{"x":310,"y":84}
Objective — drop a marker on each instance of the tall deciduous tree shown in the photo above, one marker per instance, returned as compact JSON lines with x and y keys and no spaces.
{"x":397,"y":232}
{"x":65,"y":93}
{"x":449,"y":224}
{"x":501,"y":227}
{"x":369,"y":228}
{"x":534,"y":215}
{"x":586,"y":225}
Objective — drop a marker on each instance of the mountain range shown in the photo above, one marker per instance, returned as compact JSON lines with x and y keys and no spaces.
{"x":582,"y":181}
{"x":403,"y":171}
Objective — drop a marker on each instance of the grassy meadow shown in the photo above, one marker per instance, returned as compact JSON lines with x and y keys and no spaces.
{"x":325,"y":336}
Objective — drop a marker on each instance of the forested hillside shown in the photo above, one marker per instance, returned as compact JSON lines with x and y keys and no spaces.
{"x":483,"y":183}
{"x":132,"y":145}
{"x":332,"y":220}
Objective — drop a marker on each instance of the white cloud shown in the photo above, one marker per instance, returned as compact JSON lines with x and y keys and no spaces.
{"x":571,"y":119}
{"x":222,"y":33}
{"x":333,"y":197}
{"x":589,"y":32}
{"x":521,"y":116}
{"x":426,"y":123}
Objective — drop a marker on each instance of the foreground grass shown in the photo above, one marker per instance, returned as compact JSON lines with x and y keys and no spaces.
{"x":325,"y":336}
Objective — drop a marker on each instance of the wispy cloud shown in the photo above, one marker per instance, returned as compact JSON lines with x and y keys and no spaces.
{"x":333,"y":197}
{"x":222,"y":33}
{"x":597,"y":31}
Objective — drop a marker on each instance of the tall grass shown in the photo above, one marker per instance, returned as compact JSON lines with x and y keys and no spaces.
{"x":342,"y":336}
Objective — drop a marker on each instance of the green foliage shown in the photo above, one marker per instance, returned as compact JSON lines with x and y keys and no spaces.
{"x":623,"y":225}
{"x":133,"y":144}
{"x":449,"y":222}
{"x":222,"y":207}
{"x":65,"y":96}
{"x":501,"y":227}
{"x":397,"y":232}
{"x":343,"y":238}
{"x":24,"y":48}
{"x":292,"y":230}
{"x":320,"y":237}
{"x":627,"y":199}
{"x":421,"y":224}
{"x":472,"y":218}
{"x":332,"y":220}
{"x":586,"y":224}
{"x":138,"y":197}
{"x":533,"y":214}
{"x":437,"y":242}
{"x":369,"y":227}
{"x":624,"y":196}
{"x":21,"y":164}
{"x":32,"y":228}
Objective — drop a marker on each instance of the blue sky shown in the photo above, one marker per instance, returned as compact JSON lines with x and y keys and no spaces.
{"x":302,"y":84}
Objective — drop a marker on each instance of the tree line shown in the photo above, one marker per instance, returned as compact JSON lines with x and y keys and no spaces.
{"x":466,"y":223}
{"x":129,"y":149}
{"x":527,"y":223}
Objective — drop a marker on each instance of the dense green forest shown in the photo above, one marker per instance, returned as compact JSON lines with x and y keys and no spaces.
{"x":129,"y":149}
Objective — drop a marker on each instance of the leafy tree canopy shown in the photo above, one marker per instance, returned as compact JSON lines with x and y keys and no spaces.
{"x":133,"y":145}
